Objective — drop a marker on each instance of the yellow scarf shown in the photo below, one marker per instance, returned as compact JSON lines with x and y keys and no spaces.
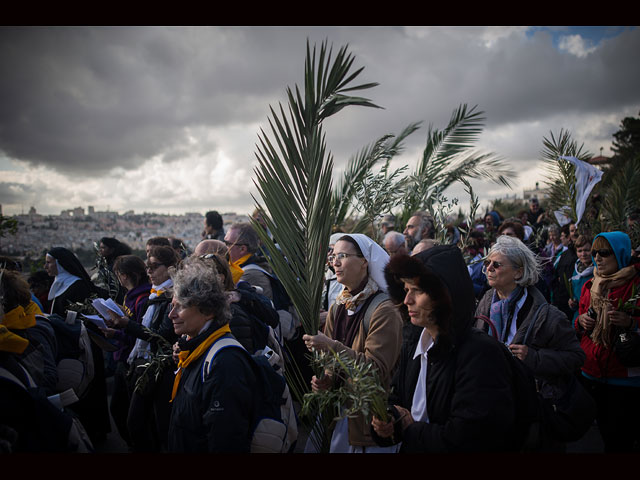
{"x":157,"y":292}
{"x":21,"y":318}
{"x":236,"y":270}
{"x":602,"y":285}
{"x":10,"y":342}
{"x":186,"y":357}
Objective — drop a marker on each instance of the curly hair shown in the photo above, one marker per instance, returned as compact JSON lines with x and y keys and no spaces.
{"x":519,"y":255}
{"x":196,"y":284}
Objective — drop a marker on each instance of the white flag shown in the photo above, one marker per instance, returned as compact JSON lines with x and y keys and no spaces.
{"x":562,"y":216}
{"x":586,"y":177}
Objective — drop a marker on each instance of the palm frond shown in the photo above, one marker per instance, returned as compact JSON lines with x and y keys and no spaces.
{"x":294,"y":177}
{"x":446,"y":159}
{"x":562,"y":174}
{"x":622,"y":193}
{"x":359,"y":165}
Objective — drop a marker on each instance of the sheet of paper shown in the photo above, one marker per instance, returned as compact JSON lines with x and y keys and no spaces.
{"x":97,"y":320}
{"x":103,"y":307}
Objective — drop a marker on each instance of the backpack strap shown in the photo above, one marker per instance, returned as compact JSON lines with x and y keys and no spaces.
{"x":253,"y":266}
{"x":375,"y":302}
{"x":223,"y":342}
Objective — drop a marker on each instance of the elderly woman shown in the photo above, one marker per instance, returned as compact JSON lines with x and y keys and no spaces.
{"x":211,"y":414}
{"x":452,"y":389}
{"x":602,"y":317}
{"x":513,"y":304}
{"x":374,"y":335}
{"x":149,"y":409}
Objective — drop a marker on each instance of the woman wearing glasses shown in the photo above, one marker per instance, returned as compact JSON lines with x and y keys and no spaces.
{"x":605,"y":314}
{"x":149,"y":410}
{"x":359,"y":265}
{"x":517,"y":314}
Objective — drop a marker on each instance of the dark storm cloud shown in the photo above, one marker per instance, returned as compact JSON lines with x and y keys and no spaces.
{"x":86,"y":100}
{"x":16,"y":193}
{"x":89,"y":99}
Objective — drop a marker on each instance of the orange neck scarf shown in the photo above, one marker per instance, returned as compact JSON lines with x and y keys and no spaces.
{"x":21,"y":318}
{"x":10,"y":342}
{"x":186,"y":357}
{"x":236,"y":269}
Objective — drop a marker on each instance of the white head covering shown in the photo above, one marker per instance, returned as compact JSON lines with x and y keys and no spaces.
{"x":375,"y":255}
{"x":62,"y":281}
{"x":335,"y":237}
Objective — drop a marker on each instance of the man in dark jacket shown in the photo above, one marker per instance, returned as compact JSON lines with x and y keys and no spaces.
{"x":452,"y":388}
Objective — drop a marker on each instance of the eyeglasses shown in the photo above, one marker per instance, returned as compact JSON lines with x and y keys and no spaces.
{"x":603,"y":253}
{"x":494,"y":264}
{"x":152,"y":266}
{"x":233,"y":244}
{"x":342,"y":256}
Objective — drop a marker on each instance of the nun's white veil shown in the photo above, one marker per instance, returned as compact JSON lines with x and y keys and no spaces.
{"x":375,"y":255}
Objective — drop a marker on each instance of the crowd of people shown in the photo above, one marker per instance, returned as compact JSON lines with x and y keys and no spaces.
{"x":440,"y":318}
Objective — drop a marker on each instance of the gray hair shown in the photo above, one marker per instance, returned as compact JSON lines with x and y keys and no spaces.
{"x":554,"y":228}
{"x":395,"y":237}
{"x":520,"y":256}
{"x":426,"y":222}
{"x":196,"y":284}
{"x":246,"y":236}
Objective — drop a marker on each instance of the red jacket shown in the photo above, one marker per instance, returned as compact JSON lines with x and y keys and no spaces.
{"x":602,"y":362}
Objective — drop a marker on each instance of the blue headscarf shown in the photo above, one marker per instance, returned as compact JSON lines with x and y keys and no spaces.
{"x":621,"y":246}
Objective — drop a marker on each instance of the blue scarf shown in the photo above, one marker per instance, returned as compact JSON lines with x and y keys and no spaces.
{"x":502,"y":311}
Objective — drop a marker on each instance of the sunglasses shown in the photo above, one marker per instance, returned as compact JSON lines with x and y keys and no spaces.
{"x":603,"y":253}
{"x":494,"y":264}
{"x":152,"y":266}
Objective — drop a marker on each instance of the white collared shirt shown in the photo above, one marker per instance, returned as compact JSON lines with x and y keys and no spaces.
{"x":419,"y":404}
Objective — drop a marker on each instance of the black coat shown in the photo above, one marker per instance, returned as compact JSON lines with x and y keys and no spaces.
{"x":470,"y":403}
{"x":217,"y":415}
{"x":469,"y":398}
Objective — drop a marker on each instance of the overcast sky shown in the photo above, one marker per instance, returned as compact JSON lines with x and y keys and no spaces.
{"x":166,"y":119}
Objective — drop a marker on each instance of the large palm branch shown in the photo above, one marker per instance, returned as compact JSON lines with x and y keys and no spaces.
{"x":294,"y":178}
{"x":446,"y":159}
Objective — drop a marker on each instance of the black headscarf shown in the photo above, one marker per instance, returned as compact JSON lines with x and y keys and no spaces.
{"x":71,"y":264}
{"x":443,"y":273}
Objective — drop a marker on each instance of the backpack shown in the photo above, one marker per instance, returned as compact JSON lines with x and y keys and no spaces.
{"x":289,"y":320}
{"x":75,"y":355}
{"x":275,"y":429}
{"x":58,"y":430}
{"x":525,"y":395}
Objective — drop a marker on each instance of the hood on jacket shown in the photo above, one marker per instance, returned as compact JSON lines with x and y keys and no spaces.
{"x":621,"y":246}
{"x":442,"y":271}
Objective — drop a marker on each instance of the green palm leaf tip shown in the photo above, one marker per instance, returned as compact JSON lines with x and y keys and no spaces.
{"x":293,"y":177}
{"x":359,"y":166}
{"x":446,"y":159}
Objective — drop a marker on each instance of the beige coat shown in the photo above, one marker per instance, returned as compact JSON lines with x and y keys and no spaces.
{"x":381,"y":345}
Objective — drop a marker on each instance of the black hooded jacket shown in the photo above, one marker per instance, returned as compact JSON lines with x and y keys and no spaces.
{"x":470,"y":403}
